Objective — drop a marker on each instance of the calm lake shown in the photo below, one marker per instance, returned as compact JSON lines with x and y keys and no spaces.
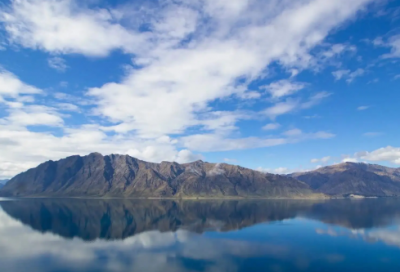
{"x":140,"y":235}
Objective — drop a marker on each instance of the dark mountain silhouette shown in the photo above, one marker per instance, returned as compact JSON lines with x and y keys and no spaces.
{"x":3,"y":182}
{"x":124,"y":176}
{"x":353,"y":178}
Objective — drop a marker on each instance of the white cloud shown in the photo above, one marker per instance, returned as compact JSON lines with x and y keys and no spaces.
{"x":57,"y":63}
{"x":283,"y":88}
{"x":315,"y":116}
{"x":190,"y":77}
{"x":212,"y":51}
{"x":293,"y":105}
{"x":339,"y":74}
{"x":338,"y":49}
{"x":284,"y":170}
{"x":385,"y":154}
{"x":349,"y":159}
{"x":349,"y":75}
{"x":321,"y":160}
{"x":185,"y":155}
{"x":293,"y":132}
{"x":218,"y":142}
{"x":357,"y":73}
{"x":32,"y":115}
{"x":67,"y":107}
{"x":314,"y":100}
{"x":271,"y":126}
{"x":12,"y":86}
{"x":281,"y":108}
{"x":362,"y":108}
{"x":62,"y":27}
{"x":216,"y":170}
{"x":279,"y":170}
{"x":394,"y":43}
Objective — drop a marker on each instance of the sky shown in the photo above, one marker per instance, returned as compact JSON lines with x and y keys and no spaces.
{"x":273,"y":85}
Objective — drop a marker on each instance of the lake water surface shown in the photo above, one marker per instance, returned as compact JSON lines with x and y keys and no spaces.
{"x":140,"y":235}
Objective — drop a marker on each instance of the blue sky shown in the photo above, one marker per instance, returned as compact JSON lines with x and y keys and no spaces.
{"x":278,"y":86}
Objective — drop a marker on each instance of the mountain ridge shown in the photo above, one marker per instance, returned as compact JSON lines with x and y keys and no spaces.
{"x":116,"y":175}
{"x":350,"y":178}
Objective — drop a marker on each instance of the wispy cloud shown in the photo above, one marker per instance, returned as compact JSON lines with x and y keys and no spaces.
{"x":271,"y":126}
{"x":321,"y":160}
{"x":372,"y":134}
{"x":348,"y":75}
{"x":363,"y":108}
{"x":57,"y":63}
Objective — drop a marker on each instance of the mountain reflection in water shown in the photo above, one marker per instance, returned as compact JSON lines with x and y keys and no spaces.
{"x":231,"y":235}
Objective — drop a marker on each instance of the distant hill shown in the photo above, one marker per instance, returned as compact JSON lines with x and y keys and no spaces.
{"x":353,"y":178}
{"x":3,"y":182}
{"x":95,"y":175}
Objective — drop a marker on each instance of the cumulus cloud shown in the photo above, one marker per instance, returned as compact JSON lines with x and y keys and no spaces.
{"x":186,"y":55}
{"x":385,"y":154}
{"x":350,"y":159}
{"x":63,"y":27}
{"x":32,"y":115}
{"x":207,"y":68}
{"x":12,"y":87}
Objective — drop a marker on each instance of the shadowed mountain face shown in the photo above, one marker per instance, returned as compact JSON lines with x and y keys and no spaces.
{"x":124,"y":176}
{"x":353,"y":178}
{"x":120,"y":219}
{"x":3,"y":182}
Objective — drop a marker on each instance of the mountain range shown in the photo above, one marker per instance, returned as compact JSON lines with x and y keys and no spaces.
{"x":349,"y":178}
{"x":95,"y":175}
{"x":123,"y":176}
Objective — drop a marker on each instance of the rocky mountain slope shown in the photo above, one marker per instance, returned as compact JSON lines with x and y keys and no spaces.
{"x":95,"y":175}
{"x":353,"y":178}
